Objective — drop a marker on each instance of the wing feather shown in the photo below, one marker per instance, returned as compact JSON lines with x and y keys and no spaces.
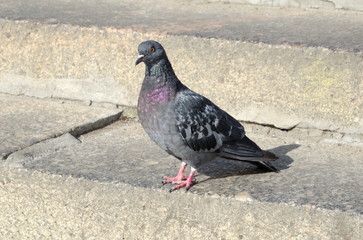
{"x":202,"y":125}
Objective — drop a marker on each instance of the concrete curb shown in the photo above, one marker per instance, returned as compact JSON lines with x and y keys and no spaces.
{"x":48,"y":206}
{"x":306,"y":87}
{"x":90,"y":57}
{"x":27,"y":121}
{"x":316,"y":4}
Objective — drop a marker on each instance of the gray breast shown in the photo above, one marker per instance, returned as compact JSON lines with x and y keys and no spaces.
{"x":158,"y":118}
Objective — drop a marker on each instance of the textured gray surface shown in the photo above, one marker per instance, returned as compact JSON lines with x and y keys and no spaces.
{"x":39,"y":206}
{"x":275,"y":85}
{"x":316,"y":4}
{"x":312,"y":172}
{"x":69,"y":49}
{"x":331,"y":29}
{"x":94,"y":61}
{"x":26,"y":121}
{"x":107,"y":183}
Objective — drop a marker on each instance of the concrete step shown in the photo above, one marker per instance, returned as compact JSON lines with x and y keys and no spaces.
{"x":70,"y":169}
{"x":282,"y":67}
{"x":353,"y":5}
{"x":108,"y":180}
{"x":26,"y":121}
{"x":41,"y":206}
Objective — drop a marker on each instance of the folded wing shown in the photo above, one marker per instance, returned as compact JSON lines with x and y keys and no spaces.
{"x":205,"y":127}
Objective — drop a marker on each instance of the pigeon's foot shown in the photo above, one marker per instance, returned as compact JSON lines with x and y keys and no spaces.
{"x":178,"y":178}
{"x":187,"y":183}
{"x":174,"y":180}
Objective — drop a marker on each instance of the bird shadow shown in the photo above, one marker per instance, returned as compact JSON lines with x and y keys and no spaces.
{"x":222,"y":168}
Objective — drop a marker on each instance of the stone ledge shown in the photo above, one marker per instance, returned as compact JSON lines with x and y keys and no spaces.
{"x":48,"y":206}
{"x":303,"y":85}
{"x":351,"y":5}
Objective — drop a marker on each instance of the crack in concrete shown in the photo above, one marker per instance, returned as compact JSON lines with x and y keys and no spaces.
{"x":270,"y":125}
{"x":76,"y":131}
{"x":329,"y":1}
{"x":37,"y":151}
{"x":100,"y":123}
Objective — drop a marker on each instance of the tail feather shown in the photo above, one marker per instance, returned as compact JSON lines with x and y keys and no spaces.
{"x":265,"y":165}
{"x":248,"y":151}
{"x":269,"y":155}
{"x":237,"y":157}
{"x":261,"y":162}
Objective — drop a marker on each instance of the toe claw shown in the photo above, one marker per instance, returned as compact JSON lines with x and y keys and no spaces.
{"x":188,"y":187}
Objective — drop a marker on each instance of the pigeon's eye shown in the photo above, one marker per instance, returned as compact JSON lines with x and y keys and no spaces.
{"x":152,"y":49}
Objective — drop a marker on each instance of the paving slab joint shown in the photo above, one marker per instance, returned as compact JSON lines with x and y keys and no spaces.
{"x":36,"y":151}
{"x":74,"y":131}
{"x":92,"y":126}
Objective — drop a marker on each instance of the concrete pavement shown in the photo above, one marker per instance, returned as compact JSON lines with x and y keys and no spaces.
{"x":73,"y":185}
{"x":75,"y":163}
{"x":41,"y":206}
{"x":282,"y":67}
{"x":26,"y":121}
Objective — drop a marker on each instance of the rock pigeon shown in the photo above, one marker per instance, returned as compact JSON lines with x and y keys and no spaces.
{"x":187,"y":125}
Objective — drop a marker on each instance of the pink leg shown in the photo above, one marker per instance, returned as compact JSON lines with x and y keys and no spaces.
{"x":178,"y":178}
{"x":186,"y":183}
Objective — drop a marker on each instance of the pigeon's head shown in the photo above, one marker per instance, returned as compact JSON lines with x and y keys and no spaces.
{"x":150,"y":52}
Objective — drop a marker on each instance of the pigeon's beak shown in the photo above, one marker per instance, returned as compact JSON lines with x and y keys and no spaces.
{"x":140,"y":59}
